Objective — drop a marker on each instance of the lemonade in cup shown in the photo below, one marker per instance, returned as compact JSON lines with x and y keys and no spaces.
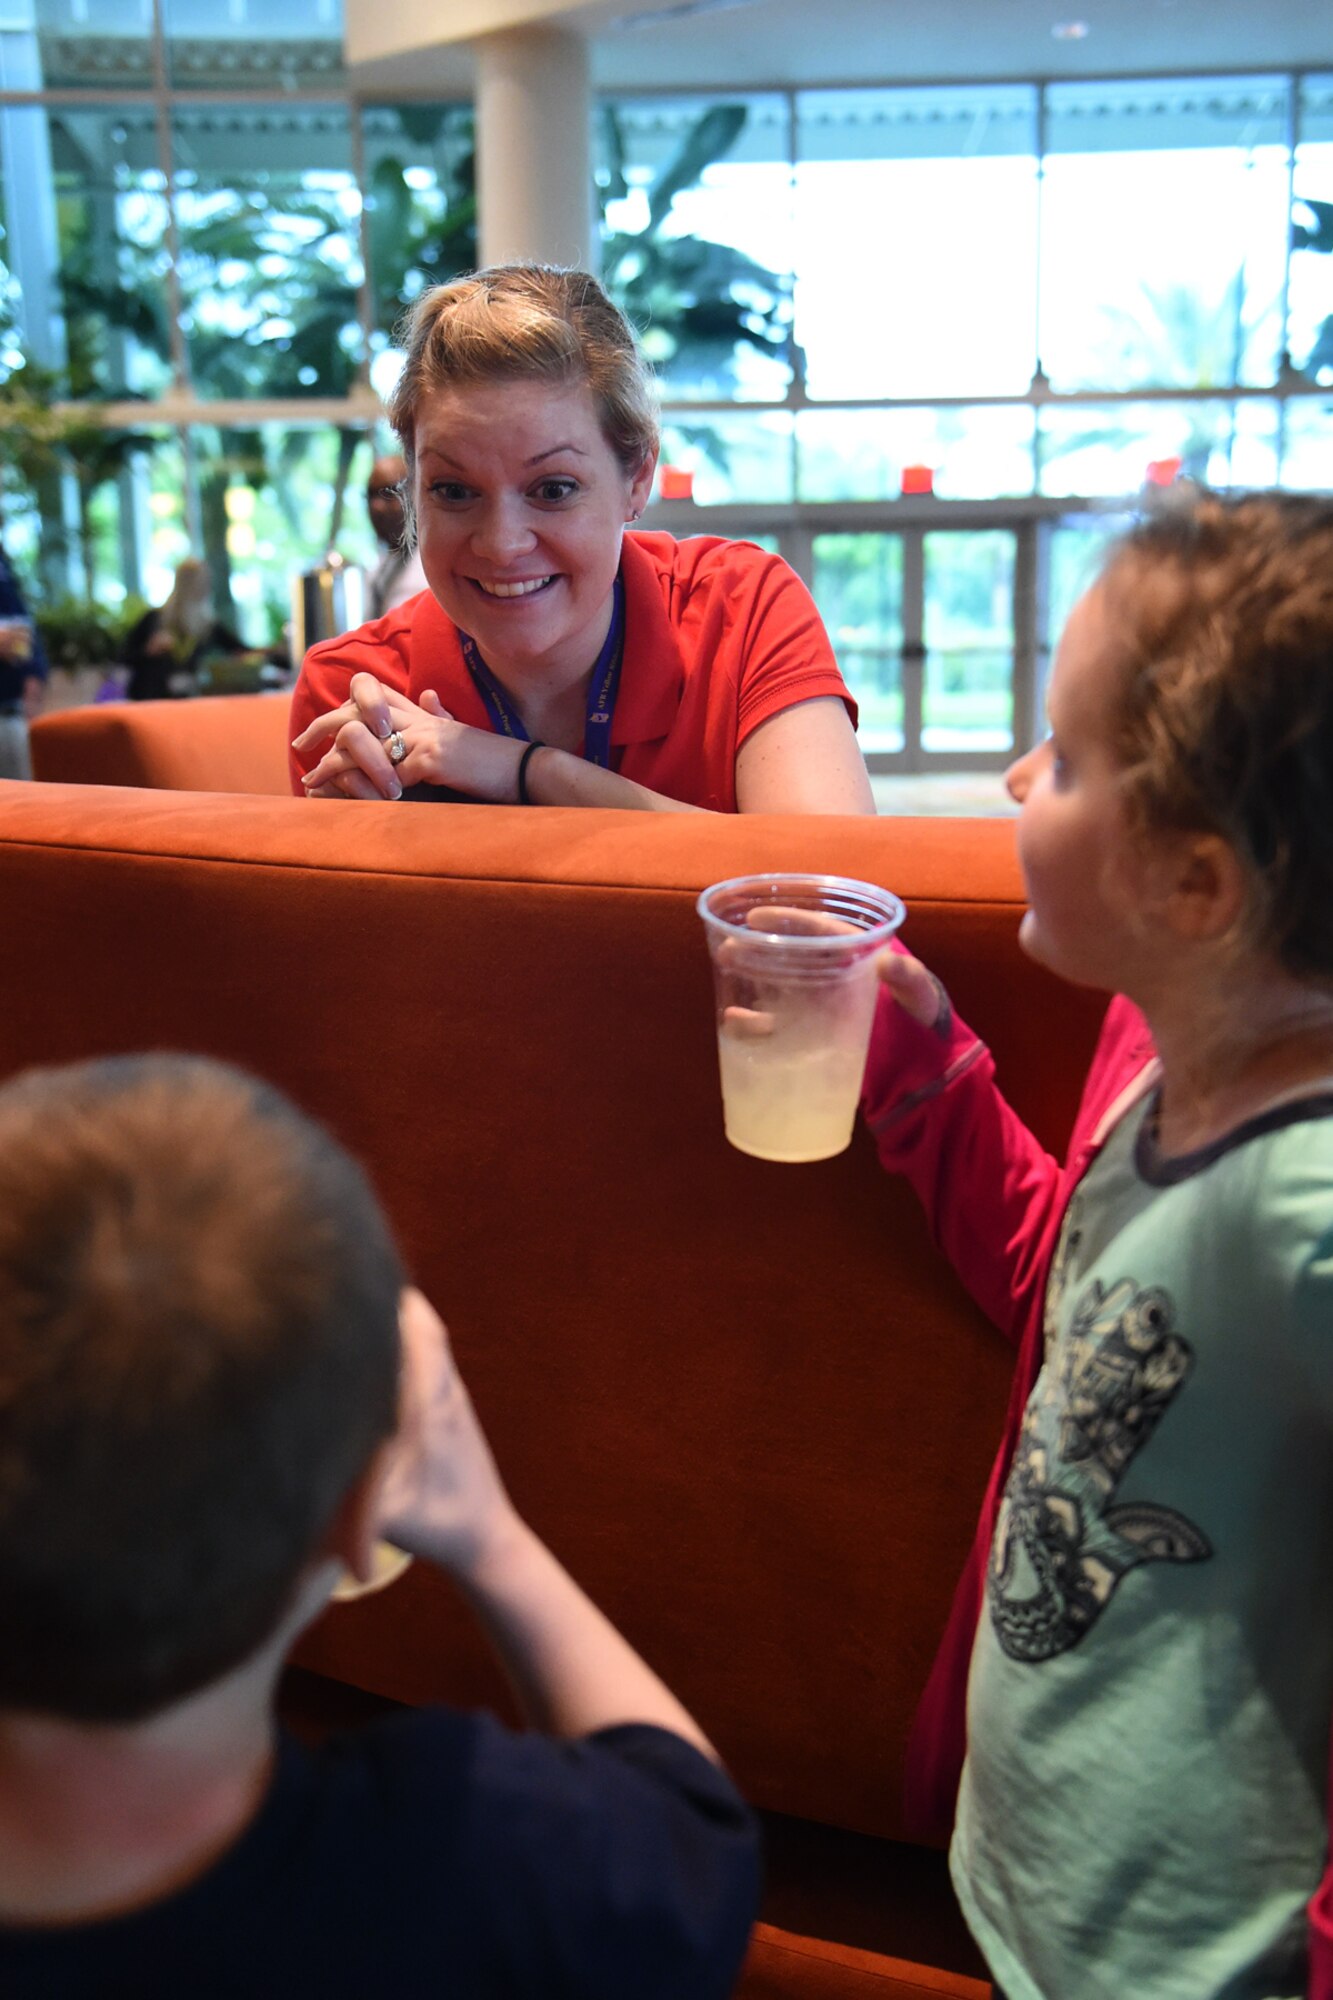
{"x":794,"y":975}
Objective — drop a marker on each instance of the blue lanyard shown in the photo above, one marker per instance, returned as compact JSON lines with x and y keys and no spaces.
{"x":603,"y":687}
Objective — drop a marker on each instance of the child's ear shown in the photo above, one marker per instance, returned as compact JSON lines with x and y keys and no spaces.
{"x":1206,"y":890}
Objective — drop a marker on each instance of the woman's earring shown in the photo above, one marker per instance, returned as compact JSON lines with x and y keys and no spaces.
{"x":635,"y":515}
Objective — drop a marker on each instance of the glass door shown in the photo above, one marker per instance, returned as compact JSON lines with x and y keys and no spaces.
{"x":967,"y":645}
{"x":857,"y":583}
{"x":925,"y":627}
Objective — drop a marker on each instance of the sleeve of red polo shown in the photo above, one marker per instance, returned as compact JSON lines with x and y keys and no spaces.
{"x":788,"y":655}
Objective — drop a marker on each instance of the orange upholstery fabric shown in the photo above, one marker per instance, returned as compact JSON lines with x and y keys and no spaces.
{"x":747,"y":1403}
{"x":783,"y":1966}
{"x":219,"y":743}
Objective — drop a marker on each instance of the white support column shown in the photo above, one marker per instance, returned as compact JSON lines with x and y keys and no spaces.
{"x":534,"y":148}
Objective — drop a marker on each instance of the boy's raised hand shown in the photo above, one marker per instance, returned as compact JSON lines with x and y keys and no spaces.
{"x":442,"y":1497}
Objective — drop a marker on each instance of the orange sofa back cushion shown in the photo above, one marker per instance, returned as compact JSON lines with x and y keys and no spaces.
{"x":748,"y":1404}
{"x":216,"y":743}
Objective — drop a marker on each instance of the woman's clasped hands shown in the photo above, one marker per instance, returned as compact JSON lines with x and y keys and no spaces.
{"x":377,"y":742}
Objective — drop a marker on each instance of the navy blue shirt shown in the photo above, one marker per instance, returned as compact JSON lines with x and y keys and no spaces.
{"x":440,"y":1854}
{"x":13,"y":673}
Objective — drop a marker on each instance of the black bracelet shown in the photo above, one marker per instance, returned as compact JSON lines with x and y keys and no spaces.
{"x":523,"y":763}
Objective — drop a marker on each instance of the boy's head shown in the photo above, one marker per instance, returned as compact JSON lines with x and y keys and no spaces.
{"x":1221,"y":616}
{"x":198,"y":1358}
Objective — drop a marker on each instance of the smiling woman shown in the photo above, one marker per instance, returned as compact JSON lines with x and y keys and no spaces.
{"x":556,"y":658}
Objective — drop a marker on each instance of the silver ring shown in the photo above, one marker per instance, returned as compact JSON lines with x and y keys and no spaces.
{"x":395,"y":747}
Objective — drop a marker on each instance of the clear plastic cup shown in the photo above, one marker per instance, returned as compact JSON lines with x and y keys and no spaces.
{"x":389,"y":1566}
{"x":16,"y":642}
{"x":794,"y":973}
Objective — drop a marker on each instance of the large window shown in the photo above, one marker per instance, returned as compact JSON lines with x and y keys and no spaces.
{"x":1165,"y":212}
{"x":78,"y":45}
{"x":968,"y":452}
{"x":268,"y":214}
{"x":1310,"y":327}
{"x":926,"y":340}
{"x":252,"y":45}
{"x":421,"y":206}
{"x":916,"y":242}
{"x":1037,"y":300}
{"x":1028,"y":290}
{"x":110,"y":324}
{"x":697,"y":237}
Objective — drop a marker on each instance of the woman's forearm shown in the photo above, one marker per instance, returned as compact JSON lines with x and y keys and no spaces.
{"x":559,"y":778}
{"x":486,"y":766}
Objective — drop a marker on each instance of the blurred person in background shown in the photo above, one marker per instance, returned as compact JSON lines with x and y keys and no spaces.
{"x":169,"y":645}
{"x":398,"y":574}
{"x":23,"y":671}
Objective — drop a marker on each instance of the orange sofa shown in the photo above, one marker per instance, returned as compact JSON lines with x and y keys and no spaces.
{"x":749,"y":1404}
{"x":215,"y":743}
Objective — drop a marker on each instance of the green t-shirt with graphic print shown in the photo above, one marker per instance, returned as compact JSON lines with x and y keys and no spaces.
{"x":1143,"y":1807}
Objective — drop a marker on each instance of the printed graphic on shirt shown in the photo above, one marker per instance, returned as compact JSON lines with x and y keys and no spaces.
{"x":1063,"y":1545}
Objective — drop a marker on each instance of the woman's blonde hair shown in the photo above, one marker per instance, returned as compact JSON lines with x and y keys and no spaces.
{"x":528,"y":322}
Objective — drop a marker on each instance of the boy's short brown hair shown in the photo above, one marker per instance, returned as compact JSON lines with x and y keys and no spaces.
{"x":1222,"y":613}
{"x":198,"y":1355}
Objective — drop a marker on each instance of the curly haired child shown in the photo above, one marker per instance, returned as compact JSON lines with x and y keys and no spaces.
{"x":1144,"y":1637}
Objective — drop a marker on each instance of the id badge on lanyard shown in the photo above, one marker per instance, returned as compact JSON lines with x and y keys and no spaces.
{"x":603,"y":687}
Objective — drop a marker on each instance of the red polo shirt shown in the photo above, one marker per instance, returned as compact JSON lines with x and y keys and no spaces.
{"x":719,"y":636}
